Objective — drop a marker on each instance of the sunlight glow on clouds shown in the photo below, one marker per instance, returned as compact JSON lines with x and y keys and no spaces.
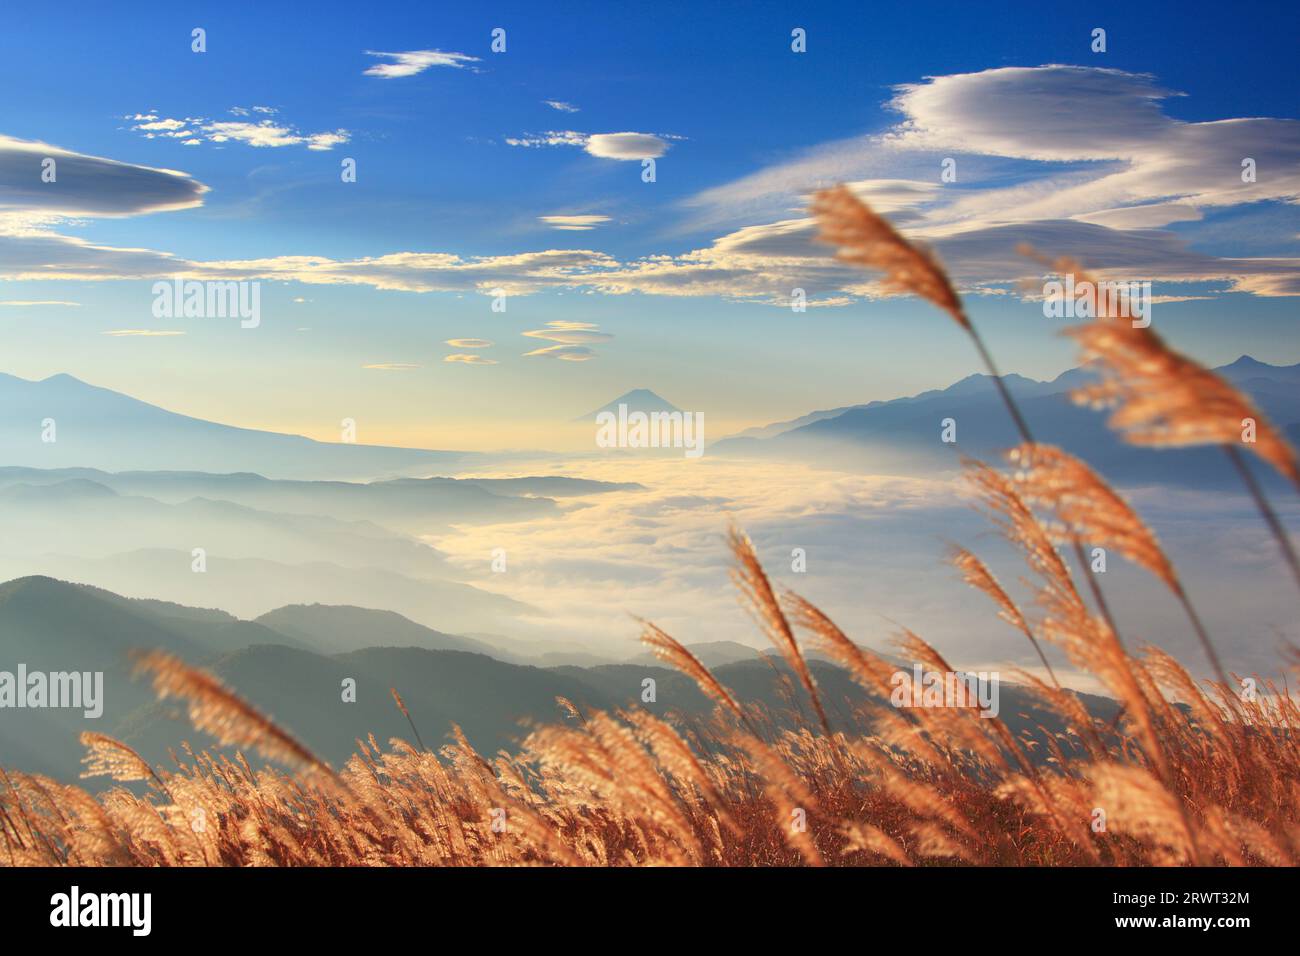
{"x":565,"y":353}
{"x":569,"y":333}
{"x":574,"y":338}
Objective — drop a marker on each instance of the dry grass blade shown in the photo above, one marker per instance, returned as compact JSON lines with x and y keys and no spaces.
{"x":976,"y":573}
{"x":1163,"y":399}
{"x":866,"y":238}
{"x":1160,"y":397}
{"x":107,"y":757}
{"x":1087,"y":507}
{"x":757,"y":589}
{"x":1018,"y":524}
{"x":1089,"y":510}
{"x":401,"y":705}
{"x":670,"y":651}
{"x":216,"y":710}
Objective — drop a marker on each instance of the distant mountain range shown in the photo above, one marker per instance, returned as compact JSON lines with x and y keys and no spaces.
{"x":411,"y":505}
{"x":291,"y":664}
{"x":902,"y":436}
{"x":268,"y":542}
{"x":99,"y":428}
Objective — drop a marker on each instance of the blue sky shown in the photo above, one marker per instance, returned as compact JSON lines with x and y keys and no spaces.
{"x":673,"y":288}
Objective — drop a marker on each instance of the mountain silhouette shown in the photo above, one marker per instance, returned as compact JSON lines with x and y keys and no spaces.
{"x":292,"y":672}
{"x":100,"y":428}
{"x":637,"y":400}
{"x":903,"y":436}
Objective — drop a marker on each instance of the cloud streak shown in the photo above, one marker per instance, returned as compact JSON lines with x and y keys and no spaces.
{"x":413,"y":62}
{"x":574,"y":223}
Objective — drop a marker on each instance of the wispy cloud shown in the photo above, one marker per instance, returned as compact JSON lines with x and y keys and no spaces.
{"x":391,"y":366}
{"x":143,"y":333}
{"x":416,"y":61}
{"x":1084,"y":160}
{"x":573,"y":223}
{"x":23,"y":303}
{"x":562,"y":106}
{"x":570,"y":333}
{"x":566,"y":137}
{"x":194,"y":130}
{"x":565,"y":353}
{"x":470,"y":343}
{"x":469,"y":358}
{"x":575,"y":340}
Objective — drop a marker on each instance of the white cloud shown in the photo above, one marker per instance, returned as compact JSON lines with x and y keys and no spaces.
{"x":468,"y":358}
{"x":326,"y":141}
{"x":626,"y":146}
{"x":265,"y":133}
{"x":193,"y":130}
{"x":391,"y":366}
{"x":416,"y":61}
{"x":22,"y":303}
{"x":1054,"y":113}
{"x":562,"y":106}
{"x":1108,"y":166}
{"x":143,"y":333}
{"x":573,"y":223}
{"x":470,"y":343}
{"x":167,"y":124}
{"x":565,"y":137}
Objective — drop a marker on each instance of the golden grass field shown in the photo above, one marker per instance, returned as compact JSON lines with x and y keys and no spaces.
{"x":1189,"y":773}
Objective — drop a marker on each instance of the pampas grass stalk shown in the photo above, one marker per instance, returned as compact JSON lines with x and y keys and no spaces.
{"x":866,"y":238}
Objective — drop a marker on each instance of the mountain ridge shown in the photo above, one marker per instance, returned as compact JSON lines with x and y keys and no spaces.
{"x":636,"y":400}
{"x":95,"y":426}
{"x":902,"y":436}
